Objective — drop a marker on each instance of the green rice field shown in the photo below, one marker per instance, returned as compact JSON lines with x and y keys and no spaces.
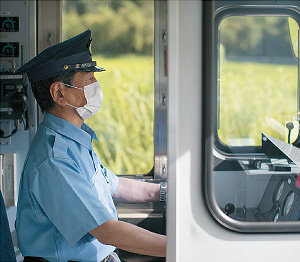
{"x":254,"y":98}
{"x":124,"y":124}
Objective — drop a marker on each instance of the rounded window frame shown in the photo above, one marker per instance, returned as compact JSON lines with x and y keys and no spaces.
{"x":213,"y":145}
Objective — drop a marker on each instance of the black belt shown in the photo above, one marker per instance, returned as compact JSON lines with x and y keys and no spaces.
{"x":40,"y":259}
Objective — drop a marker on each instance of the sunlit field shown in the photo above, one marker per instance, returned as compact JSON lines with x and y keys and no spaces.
{"x":124,"y":124}
{"x":259,"y":98}
{"x":256,"y":98}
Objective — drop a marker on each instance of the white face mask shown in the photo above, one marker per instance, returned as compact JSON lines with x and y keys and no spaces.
{"x":94,"y":98}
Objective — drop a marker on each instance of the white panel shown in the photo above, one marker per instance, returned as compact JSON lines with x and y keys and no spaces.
{"x":9,"y":183}
{"x":193,"y":234}
{"x":172,"y":129}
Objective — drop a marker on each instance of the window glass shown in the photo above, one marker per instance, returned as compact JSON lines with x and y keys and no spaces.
{"x":258,"y":80}
{"x":256,"y":150}
{"x":123,"y":36}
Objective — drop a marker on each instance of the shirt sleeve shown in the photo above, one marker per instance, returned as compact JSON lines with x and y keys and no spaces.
{"x":68,"y":199}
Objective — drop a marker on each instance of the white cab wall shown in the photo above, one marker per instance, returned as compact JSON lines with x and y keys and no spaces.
{"x":193,"y":235}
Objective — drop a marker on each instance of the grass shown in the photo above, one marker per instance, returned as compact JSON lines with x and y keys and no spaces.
{"x":256,"y":98}
{"x":124,"y":124}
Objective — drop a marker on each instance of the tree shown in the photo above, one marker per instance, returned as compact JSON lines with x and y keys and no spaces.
{"x":118,"y":26}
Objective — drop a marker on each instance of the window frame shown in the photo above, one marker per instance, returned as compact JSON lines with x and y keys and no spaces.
{"x":212,"y":147}
{"x":161,"y":90}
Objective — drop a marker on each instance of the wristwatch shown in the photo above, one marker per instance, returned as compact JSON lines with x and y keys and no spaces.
{"x":163,"y":192}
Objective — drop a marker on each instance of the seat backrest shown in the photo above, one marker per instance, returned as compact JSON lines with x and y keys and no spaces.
{"x":7,"y":252}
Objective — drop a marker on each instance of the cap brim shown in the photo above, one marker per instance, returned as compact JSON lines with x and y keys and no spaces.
{"x":92,"y":69}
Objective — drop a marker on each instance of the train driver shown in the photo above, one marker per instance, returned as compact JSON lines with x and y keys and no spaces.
{"x":66,"y":208}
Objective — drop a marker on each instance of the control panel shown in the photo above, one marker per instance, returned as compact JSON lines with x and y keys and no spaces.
{"x":13,"y":52}
{"x":13,"y":104}
{"x":9,"y":49}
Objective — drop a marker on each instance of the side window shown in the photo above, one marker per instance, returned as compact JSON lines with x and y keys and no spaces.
{"x":254,"y":167}
{"x":123,"y":43}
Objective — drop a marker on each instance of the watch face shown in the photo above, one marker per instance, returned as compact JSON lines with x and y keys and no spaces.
{"x":278,"y":191}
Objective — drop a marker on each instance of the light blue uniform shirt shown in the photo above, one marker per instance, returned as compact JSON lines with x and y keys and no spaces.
{"x":64,"y":193}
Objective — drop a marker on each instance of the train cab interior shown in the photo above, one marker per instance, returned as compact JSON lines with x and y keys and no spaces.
{"x":130,"y":42}
{"x":203,"y":95}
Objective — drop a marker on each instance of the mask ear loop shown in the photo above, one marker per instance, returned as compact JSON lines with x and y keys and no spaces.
{"x":71,"y":105}
{"x":73,"y":86}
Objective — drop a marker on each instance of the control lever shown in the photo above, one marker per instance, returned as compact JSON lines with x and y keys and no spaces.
{"x":289,"y":126}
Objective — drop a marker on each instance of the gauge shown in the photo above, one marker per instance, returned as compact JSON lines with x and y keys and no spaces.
{"x":279,"y":191}
{"x":9,"y":24}
{"x":275,"y":215}
{"x":288,"y":202}
{"x":9,"y":49}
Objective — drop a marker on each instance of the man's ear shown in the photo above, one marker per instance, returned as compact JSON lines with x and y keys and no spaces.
{"x":57,"y":93}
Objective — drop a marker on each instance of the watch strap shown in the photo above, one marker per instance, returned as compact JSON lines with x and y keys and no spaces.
{"x":163,"y":192}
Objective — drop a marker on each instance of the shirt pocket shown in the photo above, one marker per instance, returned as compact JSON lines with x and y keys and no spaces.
{"x":101,"y":188}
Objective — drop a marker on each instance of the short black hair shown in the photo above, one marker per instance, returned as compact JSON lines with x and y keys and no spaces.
{"x":41,"y":89}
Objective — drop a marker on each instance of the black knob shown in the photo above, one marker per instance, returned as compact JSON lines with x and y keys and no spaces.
{"x":19,"y":103}
{"x":289,"y":125}
{"x":229,"y":209}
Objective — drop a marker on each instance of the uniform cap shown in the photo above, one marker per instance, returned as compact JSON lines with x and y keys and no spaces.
{"x":73,"y":54}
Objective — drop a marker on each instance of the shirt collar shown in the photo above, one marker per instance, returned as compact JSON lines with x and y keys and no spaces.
{"x":83,"y":135}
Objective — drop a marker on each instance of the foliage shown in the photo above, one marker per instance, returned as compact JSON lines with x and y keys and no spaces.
{"x":256,"y":98}
{"x":118,"y":27}
{"x":244,"y":36}
{"x":258,"y":92}
{"x":124,"y":124}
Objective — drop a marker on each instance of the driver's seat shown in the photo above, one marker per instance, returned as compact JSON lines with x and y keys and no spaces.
{"x":7,"y":252}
